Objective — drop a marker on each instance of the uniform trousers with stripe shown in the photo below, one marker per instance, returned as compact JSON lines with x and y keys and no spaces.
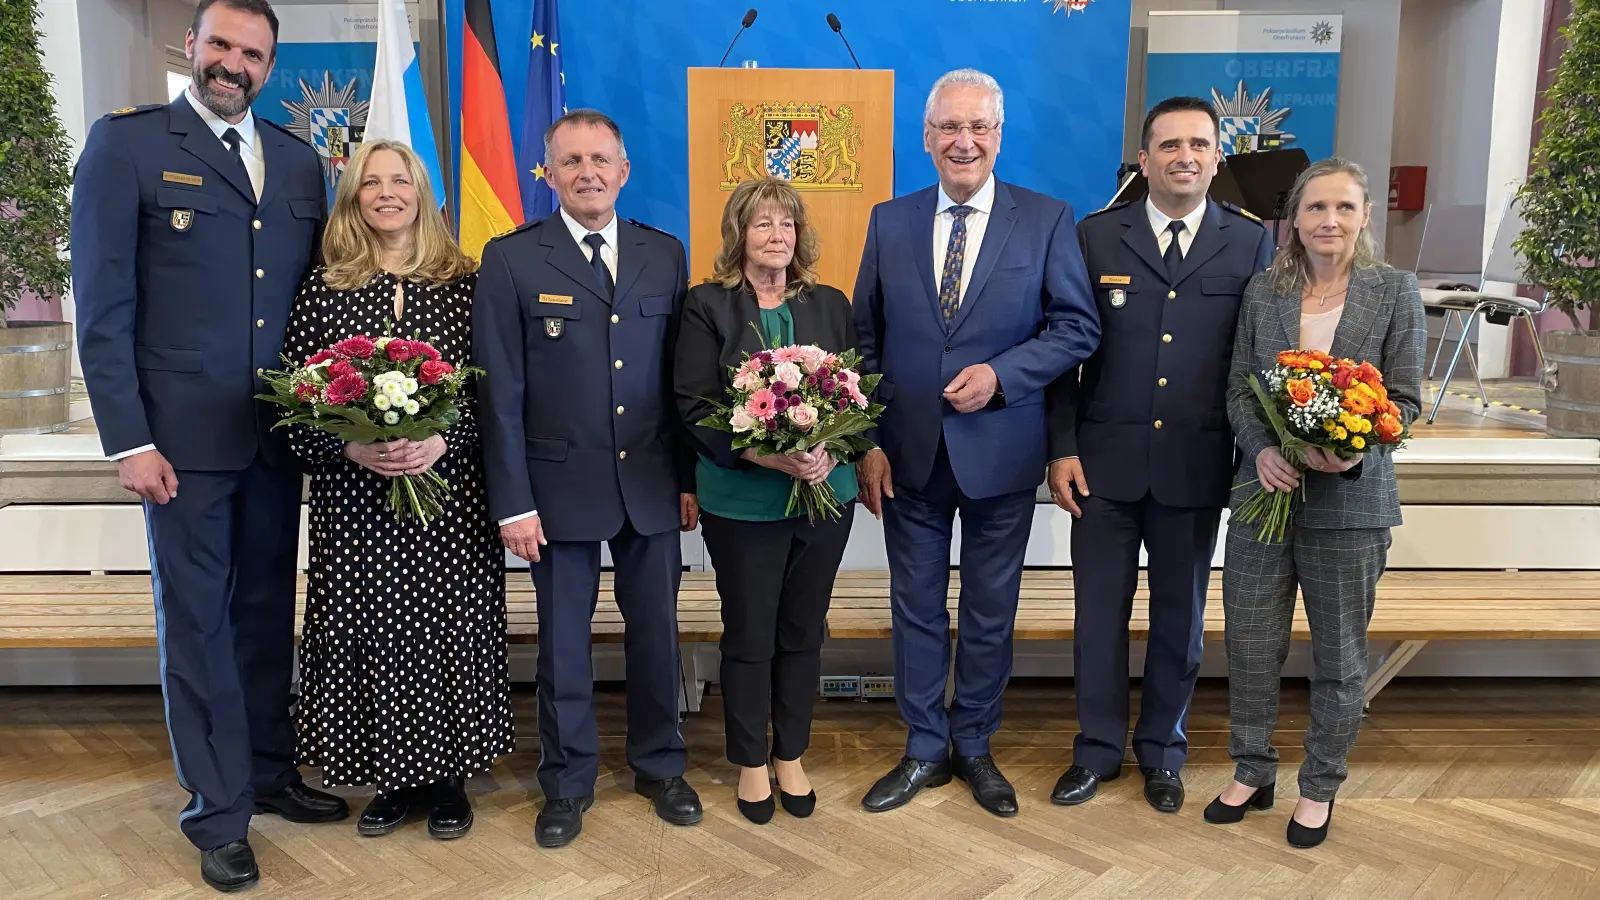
{"x":1337,"y":571}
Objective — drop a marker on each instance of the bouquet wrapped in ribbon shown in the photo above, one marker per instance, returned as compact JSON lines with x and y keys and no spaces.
{"x":799,"y":398}
{"x":1311,"y":399}
{"x":366,"y":390}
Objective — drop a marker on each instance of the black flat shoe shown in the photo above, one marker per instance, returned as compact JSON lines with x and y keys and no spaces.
{"x":797,"y":805}
{"x":560,"y":821}
{"x":231,"y":867}
{"x":990,"y":788}
{"x":1219,"y":813}
{"x":1305,"y":838}
{"x":676,"y":802}
{"x":452,"y":811}
{"x":757,"y":811}
{"x":301,"y":804}
{"x":904,"y":782}
{"x":1078,"y":785}
{"x":1163,"y":790}
{"x":384,"y":814}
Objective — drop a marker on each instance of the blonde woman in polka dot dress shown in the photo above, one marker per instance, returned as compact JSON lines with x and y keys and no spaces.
{"x":404,"y":680}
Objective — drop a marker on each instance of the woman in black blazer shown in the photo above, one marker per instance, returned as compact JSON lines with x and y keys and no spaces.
{"x":775,"y":571}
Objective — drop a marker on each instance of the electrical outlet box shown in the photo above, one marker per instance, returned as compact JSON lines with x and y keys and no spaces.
{"x":841,"y":686}
{"x":877,"y":686}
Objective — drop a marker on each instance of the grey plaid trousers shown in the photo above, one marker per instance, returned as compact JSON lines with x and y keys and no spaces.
{"x":1337,"y":570}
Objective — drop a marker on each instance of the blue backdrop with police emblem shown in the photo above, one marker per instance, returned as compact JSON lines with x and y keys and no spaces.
{"x":1063,"y":65}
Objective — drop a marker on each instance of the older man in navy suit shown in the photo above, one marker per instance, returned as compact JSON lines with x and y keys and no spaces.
{"x":574,"y":320}
{"x":1141,"y":448}
{"x":193,"y":225}
{"x":971,"y":299}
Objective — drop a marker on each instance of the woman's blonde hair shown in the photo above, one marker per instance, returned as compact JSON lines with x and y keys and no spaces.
{"x":351,"y":251}
{"x":1290,"y":266}
{"x":746,"y":200}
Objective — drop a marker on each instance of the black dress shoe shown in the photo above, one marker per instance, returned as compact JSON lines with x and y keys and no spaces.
{"x":757,"y":811}
{"x":676,"y":802}
{"x":231,"y":867}
{"x":1219,"y":813}
{"x":385,"y":813}
{"x":1078,"y":785}
{"x":560,"y":821}
{"x":299,"y":803}
{"x":991,"y":789}
{"x":1163,"y":790}
{"x":1305,"y":838}
{"x":452,"y":812}
{"x":904,"y":781}
{"x":797,"y":805}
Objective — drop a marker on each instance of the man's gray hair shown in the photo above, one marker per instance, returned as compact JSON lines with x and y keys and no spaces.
{"x":584,"y":117}
{"x":972,"y":78}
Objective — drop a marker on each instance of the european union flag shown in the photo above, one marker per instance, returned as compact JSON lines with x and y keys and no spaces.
{"x":546,"y":101}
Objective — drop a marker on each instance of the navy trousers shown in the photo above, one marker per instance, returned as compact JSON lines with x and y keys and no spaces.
{"x":566,"y":583}
{"x":222,"y":562}
{"x":917,"y":530}
{"x":1105,"y":574}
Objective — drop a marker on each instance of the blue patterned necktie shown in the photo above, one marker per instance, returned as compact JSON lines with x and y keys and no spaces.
{"x":595,"y":241}
{"x":954,"y":254}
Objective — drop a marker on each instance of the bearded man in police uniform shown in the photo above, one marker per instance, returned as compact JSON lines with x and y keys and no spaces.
{"x":193,"y":225}
{"x":574,"y":320}
{"x":1141,"y":449}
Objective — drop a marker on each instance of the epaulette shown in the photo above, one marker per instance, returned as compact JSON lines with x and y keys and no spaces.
{"x":520,"y":228}
{"x":285,"y":130}
{"x":130,"y":110}
{"x":652,"y":228}
{"x":1238,"y":209}
{"x":1112,"y":208}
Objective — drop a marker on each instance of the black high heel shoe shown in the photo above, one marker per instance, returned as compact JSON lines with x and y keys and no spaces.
{"x":797,"y":805}
{"x":1219,"y":813}
{"x":759,"y":811}
{"x":1305,"y":838}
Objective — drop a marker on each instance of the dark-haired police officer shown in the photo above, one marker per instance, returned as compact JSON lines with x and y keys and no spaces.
{"x":193,"y":225}
{"x":574,"y":320}
{"x":1140,"y":446}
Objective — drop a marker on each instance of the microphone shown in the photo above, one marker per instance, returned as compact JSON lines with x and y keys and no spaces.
{"x":749,"y":19}
{"x":833,"y":22}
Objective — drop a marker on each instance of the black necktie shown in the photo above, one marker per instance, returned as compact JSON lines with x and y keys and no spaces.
{"x":595,"y":241}
{"x":233,"y":139}
{"x":1174,"y":255}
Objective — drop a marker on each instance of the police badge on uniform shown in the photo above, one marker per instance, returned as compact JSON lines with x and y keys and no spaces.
{"x":182,"y":219}
{"x":553,"y":326}
{"x":1118,"y":298}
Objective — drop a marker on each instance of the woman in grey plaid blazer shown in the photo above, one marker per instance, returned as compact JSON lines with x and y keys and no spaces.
{"x":1326,"y":290}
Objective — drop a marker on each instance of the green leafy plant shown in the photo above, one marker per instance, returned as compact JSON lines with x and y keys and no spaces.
{"x":34,"y":170}
{"x":1561,"y":198}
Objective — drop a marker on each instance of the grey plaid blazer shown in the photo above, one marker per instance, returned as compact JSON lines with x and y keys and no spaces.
{"x":1383,"y":323}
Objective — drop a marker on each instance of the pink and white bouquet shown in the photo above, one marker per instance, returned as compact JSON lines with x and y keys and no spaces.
{"x":797,"y":398}
{"x":366,"y":390}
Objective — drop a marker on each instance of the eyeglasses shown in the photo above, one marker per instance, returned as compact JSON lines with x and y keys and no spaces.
{"x":977,"y":129}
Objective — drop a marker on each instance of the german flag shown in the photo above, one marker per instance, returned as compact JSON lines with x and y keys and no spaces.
{"x":491,"y":203}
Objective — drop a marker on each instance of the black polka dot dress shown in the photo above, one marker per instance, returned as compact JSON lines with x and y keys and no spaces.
{"x":403,"y":661}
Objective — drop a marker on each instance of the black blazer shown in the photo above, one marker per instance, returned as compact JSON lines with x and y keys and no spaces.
{"x":719,"y":328}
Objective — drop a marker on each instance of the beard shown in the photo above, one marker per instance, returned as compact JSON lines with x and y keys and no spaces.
{"x":225,"y":103}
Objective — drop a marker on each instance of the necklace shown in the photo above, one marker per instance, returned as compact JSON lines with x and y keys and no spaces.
{"x":1322,"y":299}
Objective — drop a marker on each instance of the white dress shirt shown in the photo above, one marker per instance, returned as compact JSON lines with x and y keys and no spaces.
{"x":249,"y":151}
{"x":1160,"y":220}
{"x":608,"y":255}
{"x":982,"y":204}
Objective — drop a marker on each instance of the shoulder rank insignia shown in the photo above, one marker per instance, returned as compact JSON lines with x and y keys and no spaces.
{"x":651,"y":228}
{"x":283,"y":130}
{"x":1239,"y":209}
{"x":126,"y":110}
{"x":519,"y":229}
{"x":1113,"y":207}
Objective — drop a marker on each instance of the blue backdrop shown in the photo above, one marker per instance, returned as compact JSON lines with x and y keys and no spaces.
{"x":1064,"y":73}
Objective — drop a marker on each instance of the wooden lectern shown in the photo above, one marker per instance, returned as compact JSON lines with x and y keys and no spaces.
{"x":829,"y":132}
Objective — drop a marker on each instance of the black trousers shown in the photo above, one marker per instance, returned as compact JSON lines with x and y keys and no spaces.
{"x":775,"y":580}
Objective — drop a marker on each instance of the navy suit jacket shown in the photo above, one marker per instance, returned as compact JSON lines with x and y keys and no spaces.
{"x":1150,"y":412}
{"x":578,"y":414}
{"x":1027,"y":312}
{"x":184,"y":282}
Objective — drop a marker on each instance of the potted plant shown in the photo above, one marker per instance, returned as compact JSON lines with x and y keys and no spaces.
{"x":1561,"y":244}
{"x":35,"y":357}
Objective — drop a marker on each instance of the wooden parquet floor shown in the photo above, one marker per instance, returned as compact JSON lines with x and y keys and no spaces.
{"x":1458,"y":789}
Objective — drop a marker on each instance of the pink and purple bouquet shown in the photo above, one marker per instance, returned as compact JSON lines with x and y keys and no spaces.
{"x":797,"y":398}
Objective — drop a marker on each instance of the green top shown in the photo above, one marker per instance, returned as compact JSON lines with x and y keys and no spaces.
{"x":756,"y":493}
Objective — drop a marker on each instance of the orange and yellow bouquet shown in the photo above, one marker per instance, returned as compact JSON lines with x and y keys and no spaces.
{"x":1313,"y":400}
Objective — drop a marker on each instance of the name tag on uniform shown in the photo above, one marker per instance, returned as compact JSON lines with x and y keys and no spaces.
{"x":1116,"y":279}
{"x":180,"y":178}
{"x":563,"y":299}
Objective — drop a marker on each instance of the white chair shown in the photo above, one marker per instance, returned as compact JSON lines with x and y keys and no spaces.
{"x":1449,"y":261}
{"x":1505,"y":266}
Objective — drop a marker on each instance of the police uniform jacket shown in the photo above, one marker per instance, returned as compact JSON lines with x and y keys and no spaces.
{"x":1149,"y":414}
{"x":184,"y":281}
{"x":579,"y":419}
